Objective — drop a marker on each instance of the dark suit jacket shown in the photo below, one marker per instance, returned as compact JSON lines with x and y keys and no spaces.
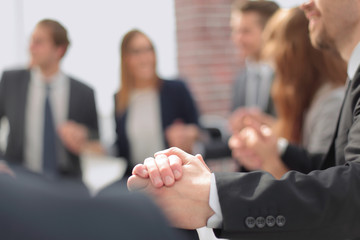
{"x":33,"y":208}
{"x":13,"y":94}
{"x":319,"y":205}
{"x":176,"y":103}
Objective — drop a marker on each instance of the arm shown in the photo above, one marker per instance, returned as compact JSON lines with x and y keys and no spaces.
{"x":315,"y":206}
{"x":319,"y":205}
{"x":2,"y":102}
{"x":184,"y":131}
{"x":81,"y":132}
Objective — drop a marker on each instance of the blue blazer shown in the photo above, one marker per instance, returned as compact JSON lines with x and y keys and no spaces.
{"x":176,"y":103}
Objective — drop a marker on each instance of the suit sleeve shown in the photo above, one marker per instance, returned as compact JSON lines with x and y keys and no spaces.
{"x":93,"y":118}
{"x":322,"y":204}
{"x":189,"y":106}
{"x":297,"y":158}
{"x":2,"y":102}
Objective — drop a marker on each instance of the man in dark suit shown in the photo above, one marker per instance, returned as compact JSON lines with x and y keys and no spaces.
{"x":36,"y":208}
{"x":52,"y":117}
{"x":322,"y":204}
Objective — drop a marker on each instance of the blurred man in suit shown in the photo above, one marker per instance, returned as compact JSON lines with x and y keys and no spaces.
{"x":52,"y":116}
{"x":322,"y":204}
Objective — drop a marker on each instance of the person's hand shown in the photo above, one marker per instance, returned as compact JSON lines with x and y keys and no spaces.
{"x":243,"y":117}
{"x":186,"y":201}
{"x":182,"y":135}
{"x":242,"y":147}
{"x":256,"y":148}
{"x":74,"y":136}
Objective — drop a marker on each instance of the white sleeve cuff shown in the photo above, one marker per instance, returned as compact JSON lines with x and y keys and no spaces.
{"x":282,"y":145}
{"x":215,"y":221}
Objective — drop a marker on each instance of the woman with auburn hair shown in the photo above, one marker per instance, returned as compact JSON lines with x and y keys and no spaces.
{"x":151,"y":113}
{"x":307,"y":91}
{"x":309,"y":85}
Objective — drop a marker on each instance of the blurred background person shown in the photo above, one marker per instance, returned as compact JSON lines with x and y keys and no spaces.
{"x":252,"y":84}
{"x":308,"y":91}
{"x":150,"y":113}
{"x":51,"y":116}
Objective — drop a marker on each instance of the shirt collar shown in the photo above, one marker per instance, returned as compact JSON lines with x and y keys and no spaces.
{"x":354,"y":62}
{"x":55,"y":80}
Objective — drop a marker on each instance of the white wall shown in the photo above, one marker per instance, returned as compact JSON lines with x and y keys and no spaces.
{"x":289,"y":3}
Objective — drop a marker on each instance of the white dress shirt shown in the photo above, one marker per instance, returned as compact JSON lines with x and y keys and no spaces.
{"x":34,"y":115}
{"x":215,"y":221}
{"x":354,"y":61}
{"x":144,"y":125}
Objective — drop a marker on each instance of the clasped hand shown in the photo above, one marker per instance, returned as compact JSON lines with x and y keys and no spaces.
{"x":179,"y":183}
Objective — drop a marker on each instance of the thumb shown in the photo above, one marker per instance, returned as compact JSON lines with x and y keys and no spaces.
{"x":184,"y":156}
{"x":135,"y":183}
{"x":198,"y":156}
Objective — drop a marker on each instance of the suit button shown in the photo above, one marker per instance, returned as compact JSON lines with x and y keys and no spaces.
{"x":280,"y":220}
{"x":260,"y":222}
{"x":270,"y":221}
{"x":250,"y":222}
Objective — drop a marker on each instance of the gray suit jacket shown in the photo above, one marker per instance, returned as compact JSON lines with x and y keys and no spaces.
{"x":318,"y":205}
{"x":240,"y":89}
{"x":13,"y":94}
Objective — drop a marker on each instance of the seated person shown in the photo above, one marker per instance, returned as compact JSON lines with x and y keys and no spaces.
{"x":307,"y":91}
{"x":151,"y":113}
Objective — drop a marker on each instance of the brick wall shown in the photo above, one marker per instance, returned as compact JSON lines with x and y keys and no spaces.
{"x":206,"y":56}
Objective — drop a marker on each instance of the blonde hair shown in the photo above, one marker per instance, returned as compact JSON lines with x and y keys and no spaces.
{"x":126,"y":79}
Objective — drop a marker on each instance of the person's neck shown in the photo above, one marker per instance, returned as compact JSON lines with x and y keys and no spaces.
{"x":49,"y":71}
{"x":347,"y":46}
{"x":255,"y":58}
{"x":144,"y":84}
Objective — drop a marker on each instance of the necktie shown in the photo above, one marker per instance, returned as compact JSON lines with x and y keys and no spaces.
{"x":257,"y":81}
{"x":49,"y":145}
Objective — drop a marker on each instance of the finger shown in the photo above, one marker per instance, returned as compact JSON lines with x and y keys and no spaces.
{"x":235,"y":142}
{"x":176,"y":166}
{"x":166,"y":173}
{"x":255,"y":127}
{"x":266,"y":131}
{"x":198,"y":156}
{"x":140,"y":170}
{"x":135,"y":183}
{"x":154,"y":173}
{"x":184,"y":156}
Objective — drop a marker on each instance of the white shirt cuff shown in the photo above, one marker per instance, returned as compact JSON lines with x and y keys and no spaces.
{"x":282,"y":145}
{"x":215,"y":221}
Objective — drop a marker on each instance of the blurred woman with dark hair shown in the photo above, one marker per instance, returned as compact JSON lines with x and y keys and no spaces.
{"x":307,"y":92}
{"x":151,"y":113}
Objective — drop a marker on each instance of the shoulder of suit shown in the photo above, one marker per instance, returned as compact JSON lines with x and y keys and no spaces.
{"x":16,"y":73}
{"x":79,"y":84}
{"x":173,"y":84}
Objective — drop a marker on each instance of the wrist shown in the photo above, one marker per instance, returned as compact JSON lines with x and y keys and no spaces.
{"x":277,"y":168}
